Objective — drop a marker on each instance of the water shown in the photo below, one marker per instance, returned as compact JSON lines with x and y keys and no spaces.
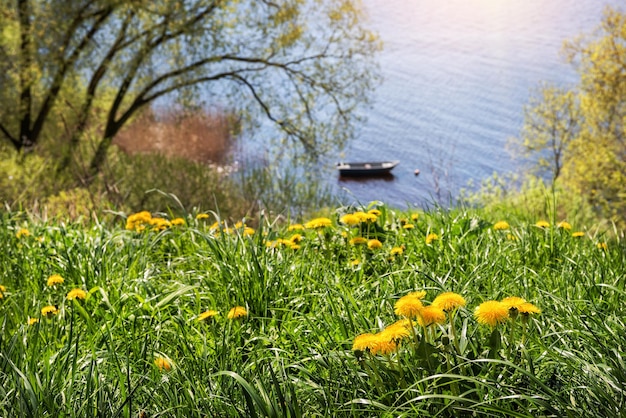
{"x":457,"y":74}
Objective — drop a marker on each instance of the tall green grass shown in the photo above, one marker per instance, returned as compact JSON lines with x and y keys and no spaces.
{"x":306,"y":301}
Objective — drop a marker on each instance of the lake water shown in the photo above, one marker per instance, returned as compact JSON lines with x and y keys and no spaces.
{"x":457,"y":74}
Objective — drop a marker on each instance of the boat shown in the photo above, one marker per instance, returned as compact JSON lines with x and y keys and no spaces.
{"x":371,"y":168}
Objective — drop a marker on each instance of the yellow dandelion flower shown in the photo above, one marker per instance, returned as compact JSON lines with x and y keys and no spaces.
{"x":578,"y":234}
{"x":383,"y":345}
{"x":2,"y":290}
{"x":501,"y":226}
{"x":295,"y":227}
{"x":247,"y":231}
{"x":355,"y":263}
{"x":491,"y":313}
{"x":397,"y":331}
{"x":294,"y":247}
{"x":396,"y":251}
{"x":448,"y":301}
{"x":513,"y":302}
{"x":136,"y":221}
{"x":408,"y":226}
{"x":528,"y":308}
{"x":603,"y":246}
{"x":49,"y":311}
{"x":76,"y":294}
{"x":54,"y":280}
{"x":178,"y":221}
{"x":410,"y":305}
{"x":415,"y":216}
{"x":318,"y":223}
{"x":363,"y":342}
{"x":358,"y":241}
{"x":511,"y":237}
{"x":374,"y":212}
{"x":564,"y":225}
{"x":543,"y":224}
{"x":163,"y":364}
{"x":237,"y":312}
{"x":202,"y":216}
{"x":22,"y":232}
{"x":374,"y":244}
{"x":206,"y":315}
{"x":159,"y":224}
{"x":32,"y":321}
{"x":350,"y":219}
{"x":431,"y":237}
{"x":296,"y":238}
{"x":431,"y":315}
{"x":365,"y":217}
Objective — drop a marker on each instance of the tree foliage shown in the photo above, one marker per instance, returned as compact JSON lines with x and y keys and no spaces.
{"x":65,"y":66}
{"x":583,"y":129}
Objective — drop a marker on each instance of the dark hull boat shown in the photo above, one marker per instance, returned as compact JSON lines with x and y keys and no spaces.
{"x":372,"y":168}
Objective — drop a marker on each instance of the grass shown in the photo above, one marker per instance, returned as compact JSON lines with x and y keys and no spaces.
{"x":135,"y":347}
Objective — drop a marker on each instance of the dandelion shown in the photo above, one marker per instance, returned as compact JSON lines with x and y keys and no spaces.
{"x":159,"y":224}
{"x":578,"y":234}
{"x":76,"y":294}
{"x":237,"y":312}
{"x":22,"y":232}
{"x":350,"y":219}
{"x":374,"y":212}
{"x":513,"y":302}
{"x":295,"y":227}
{"x":355,"y":263}
{"x":202,"y":216}
{"x":410,"y":305}
{"x":163,"y":364}
{"x":137,"y":221}
{"x":49,"y":311}
{"x":178,"y":221}
{"x":206,"y":315}
{"x":528,"y":308}
{"x":431,"y":237}
{"x":363,"y":342}
{"x":374,"y":244}
{"x":408,"y":226}
{"x":398,"y":330}
{"x":32,"y":321}
{"x":382,"y":344}
{"x":431,"y":315}
{"x":294,"y":247}
{"x":358,"y":241}
{"x":448,"y":301}
{"x":318,"y":223}
{"x":603,"y":246}
{"x":366,"y":217}
{"x":54,"y":280}
{"x":396,"y":251}
{"x":2,"y":290}
{"x":247,"y":231}
{"x":415,"y":216}
{"x":295,"y":238}
{"x":491,"y":313}
{"x":564,"y":225}
{"x":511,"y":237}
{"x":501,"y":226}
{"x":542,"y":224}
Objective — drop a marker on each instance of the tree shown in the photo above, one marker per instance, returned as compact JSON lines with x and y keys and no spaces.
{"x":585,"y":127}
{"x":304,"y":65}
{"x":551,"y":122}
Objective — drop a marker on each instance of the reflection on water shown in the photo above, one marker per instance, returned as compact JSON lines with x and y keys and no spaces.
{"x":371,"y":178}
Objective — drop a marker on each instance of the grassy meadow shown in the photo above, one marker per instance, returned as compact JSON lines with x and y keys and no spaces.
{"x":366,"y":312}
